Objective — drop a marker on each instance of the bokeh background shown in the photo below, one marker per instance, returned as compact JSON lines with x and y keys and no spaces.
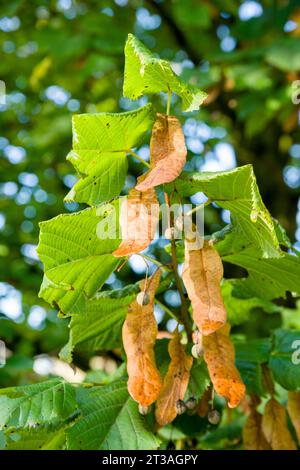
{"x":61,"y":57}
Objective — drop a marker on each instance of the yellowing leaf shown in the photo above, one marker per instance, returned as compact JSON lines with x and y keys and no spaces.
{"x":253,"y":435}
{"x":167,"y":150}
{"x":139,"y":335}
{"x":275,"y":428}
{"x":138,"y":219}
{"x":202,"y":274}
{"x":294,"y":411}
{"x":39,"y":72}
{"x":175,"y":382}
{"x":219,"y":356}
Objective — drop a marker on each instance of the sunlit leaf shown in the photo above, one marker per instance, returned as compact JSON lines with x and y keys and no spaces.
{"x":145,"y":73}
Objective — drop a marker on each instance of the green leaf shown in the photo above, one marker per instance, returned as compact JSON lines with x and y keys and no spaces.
{"x":252,"y":376}
{"x":237,"y":191}
{"x":103,"y":179}
{"x":249,"y":356}
{"x":256,"y":350}
{"x":99,"y":327}
{"x":285,"y":54}
{"x":145,"y":73}
{"x":110,"y":420}
{"x":100,"y":143}
{"x":225,"y":434}
{"x":239,"y":310}
{"x":285,"y":358}
{"x":77,"y":259}
{"x":291,"y":317}
{"x":39,"y":438}
{"x":199,"y":380}
{"x":30,"y":405}
{"x":268,"y":278}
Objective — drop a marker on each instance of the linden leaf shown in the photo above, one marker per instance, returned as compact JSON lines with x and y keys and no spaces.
{"x":202,"y":274}
{"x":175,"y":382}
{"x":294,"y":411}
{"x":139,"y":215}
{"x":253,"y":436}
{"x":275,"y":428}
{"x":139,"y":336}
{"x":145,"y":73}
{"x":219,"y":356}
{"x":167,"y":150}
{"x":100,"y":144}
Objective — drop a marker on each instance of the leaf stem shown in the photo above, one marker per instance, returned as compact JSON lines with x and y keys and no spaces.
{"x":155,"y":261}
{"x":166,"y":309}
{"x":192,"y":211}
{"x":169,"y":102}
{"x":135,"y":155}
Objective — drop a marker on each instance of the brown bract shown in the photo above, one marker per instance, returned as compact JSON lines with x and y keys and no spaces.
{"x":294,"y":411}
{"x":253,"y":436}
{"x":138,"y":220}
{"x":219,"y":356}
{"x":167,"y":151}
{"x":139,"y":335}
{"x":274,"y":426}
{"x":202,"y":274}
{"x":175,"y":382}
{"x":204,"y":403}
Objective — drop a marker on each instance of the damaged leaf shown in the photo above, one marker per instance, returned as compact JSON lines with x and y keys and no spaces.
{"x":293,"y":407}
{"x":139,"y":215}
{"x":175,"y":382}
{"x":253,"y":435}
{"x":167,"y":151}
{"x":275,"y":428}
{"x":139,"y":336}
{"x":202,"y":274}
{"x":219,"y":356}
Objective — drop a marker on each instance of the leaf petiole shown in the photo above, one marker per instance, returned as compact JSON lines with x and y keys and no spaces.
{"x":135,"y":155}
{"x":166,"y":309}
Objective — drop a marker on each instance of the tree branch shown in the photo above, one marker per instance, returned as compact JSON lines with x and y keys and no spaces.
{"x":176,"y":31}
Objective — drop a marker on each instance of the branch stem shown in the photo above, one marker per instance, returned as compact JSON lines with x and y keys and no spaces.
{"x":184,"y":314}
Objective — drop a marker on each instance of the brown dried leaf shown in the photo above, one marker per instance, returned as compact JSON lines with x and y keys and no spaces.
{"x":139,"y":335}
{"x":294,"y":411}
{"x":175,"y":382}
{"x":275,"y":428}
{"x":167,"y":150}
{"x":219,"y":356}
{"x":204,"y":403}
{"x":253,"y":436}
{"x":202,"y":274}
{"x":138,"y":220}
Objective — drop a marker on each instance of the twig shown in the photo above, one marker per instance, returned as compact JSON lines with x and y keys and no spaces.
{"x":184,"y":317}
